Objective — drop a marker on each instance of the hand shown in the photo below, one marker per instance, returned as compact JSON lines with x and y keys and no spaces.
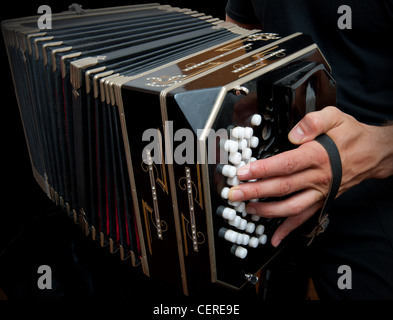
{"x":306,"y":170}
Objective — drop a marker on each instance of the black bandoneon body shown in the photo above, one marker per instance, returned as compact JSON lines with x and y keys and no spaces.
{"x":137,"y":118}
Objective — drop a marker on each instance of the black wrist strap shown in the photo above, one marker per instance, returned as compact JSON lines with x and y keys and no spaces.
{"x":335,"y":164}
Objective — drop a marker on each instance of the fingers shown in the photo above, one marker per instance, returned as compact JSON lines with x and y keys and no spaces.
{"x":292,"y":223}
{"x":292,"y":206}
{"x":281,"y":186}
{"x":314,"y":124}
{"x":298,"y":209}
{"x":284,"y":173}
{"x":303,"y":172}
{"x":284,"y":163}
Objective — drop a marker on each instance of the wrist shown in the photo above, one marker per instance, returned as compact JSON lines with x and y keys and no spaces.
{"x":382,"y":146}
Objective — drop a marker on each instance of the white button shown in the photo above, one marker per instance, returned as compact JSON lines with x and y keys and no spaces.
{"x":260,"y":230}
{"x":255,"y":217}
{"x":229,"y":213}
{"x":240,"y":207}
{"x":248,"y":132}
{"x":235,"y":158}
{"x":254,"y":242}
{"x":230,"y":146}
{"x":246,"y":239}
{"x":238,"y":132}
{"x":235,"y":222}
{"x":233,"y":203}
{"x":224,"y":193}
{"x":250,"y":228}
{"x":254,"y":141}
{"x":228,"y":171}
{"x":246,"y":154}
{"x":263,"y":239}
{"x":226,"y":213}
{"x":233,"y":181}
{"x":239,"y":252}
{"x":256,"y":119}
{"x":241,"y":164}
{"x":242,"y":144}
{"x":228,"y":235}
{"x":243,"y":224}
{"x":239,"y":239}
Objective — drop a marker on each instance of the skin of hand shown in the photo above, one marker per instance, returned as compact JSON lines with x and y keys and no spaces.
{"x":366,"y":152}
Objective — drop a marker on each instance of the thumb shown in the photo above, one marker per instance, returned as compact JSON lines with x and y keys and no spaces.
{"x":313,"y":124}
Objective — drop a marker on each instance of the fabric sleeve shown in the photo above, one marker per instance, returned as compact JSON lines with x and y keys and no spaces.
{"x":241,"y":11}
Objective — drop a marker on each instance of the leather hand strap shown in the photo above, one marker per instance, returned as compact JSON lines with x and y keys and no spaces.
{"x":335,"y":164}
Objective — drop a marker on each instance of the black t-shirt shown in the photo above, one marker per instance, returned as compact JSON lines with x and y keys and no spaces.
{"x":361,"y":57}
{"x":360,"y":233}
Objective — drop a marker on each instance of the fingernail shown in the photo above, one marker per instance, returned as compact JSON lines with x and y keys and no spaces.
{"x":276,"y":243}
{"x":296,"y":135}
{"x":243,"y":170}
{"x":235,"y":194}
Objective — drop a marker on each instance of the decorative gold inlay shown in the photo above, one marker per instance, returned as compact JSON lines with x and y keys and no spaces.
{"x":150,"y":220}
{"x":189,"y":226}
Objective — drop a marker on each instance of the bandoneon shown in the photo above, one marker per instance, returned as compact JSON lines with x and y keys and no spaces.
{"x":138,"y":117}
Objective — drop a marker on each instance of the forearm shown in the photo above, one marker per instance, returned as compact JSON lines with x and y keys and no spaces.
{"x":382,"y":142}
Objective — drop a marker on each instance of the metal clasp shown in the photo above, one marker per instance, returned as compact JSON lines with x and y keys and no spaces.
{"x":251,"y":278}
{"x":239,"y":90}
